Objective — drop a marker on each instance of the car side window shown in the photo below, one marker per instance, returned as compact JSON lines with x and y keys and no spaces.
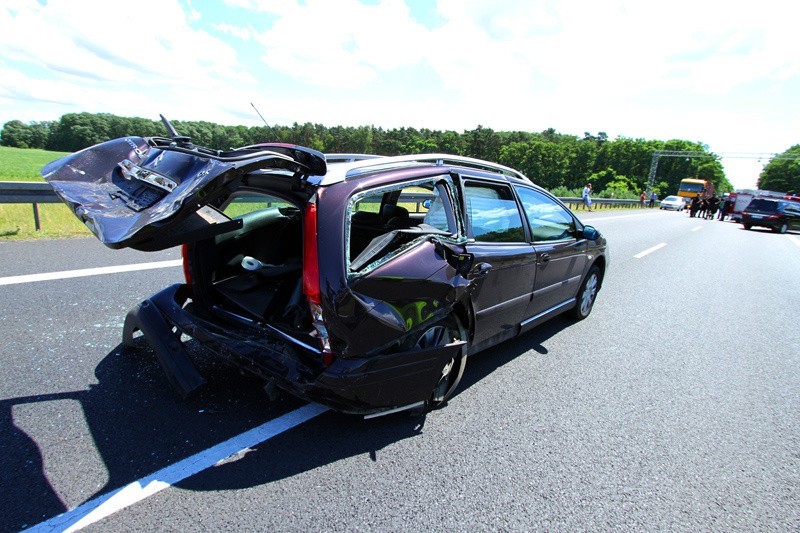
{"x":493,"y":213}
{"x":548,"y":220}
{"x":386,"y":221}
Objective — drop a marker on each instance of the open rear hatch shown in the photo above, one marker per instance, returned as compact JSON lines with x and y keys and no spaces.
{"x":154,"y":193}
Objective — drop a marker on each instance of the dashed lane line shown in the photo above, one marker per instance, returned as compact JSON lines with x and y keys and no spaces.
{"x":650,"y":250}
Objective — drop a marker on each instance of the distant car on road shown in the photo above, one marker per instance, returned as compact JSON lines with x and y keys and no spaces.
{"x":673,"y":202}
{"x":778,"y":215}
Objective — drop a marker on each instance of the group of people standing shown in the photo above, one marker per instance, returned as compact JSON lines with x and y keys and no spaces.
{"x":699,"y":207}
{"x":707,"y":207}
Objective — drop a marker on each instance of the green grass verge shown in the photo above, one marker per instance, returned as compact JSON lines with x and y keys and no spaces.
{"x":16,"y":220}
{"x":22,"y":164}
{"x":56,"y":220}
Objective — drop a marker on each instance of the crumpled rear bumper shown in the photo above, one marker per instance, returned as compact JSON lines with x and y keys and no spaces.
{"x":353,"y":385}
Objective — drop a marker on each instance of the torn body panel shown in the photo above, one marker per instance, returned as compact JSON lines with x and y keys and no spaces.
{"x":354,"y":385}
{"x":398,"y":298}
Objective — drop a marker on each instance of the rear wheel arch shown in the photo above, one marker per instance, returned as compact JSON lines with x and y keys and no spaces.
{"x":600,"y":263}
{"x":440,"y":333}
{"x":466,"y":315}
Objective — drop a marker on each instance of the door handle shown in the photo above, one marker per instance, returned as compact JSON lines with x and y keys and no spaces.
{"x":481,"y":270}
{"x":544,"y":258}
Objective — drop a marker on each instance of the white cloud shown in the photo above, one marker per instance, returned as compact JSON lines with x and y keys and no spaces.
{"x":241,"y":33}
{"x":93,"y":56}
{"x":341,"y":44}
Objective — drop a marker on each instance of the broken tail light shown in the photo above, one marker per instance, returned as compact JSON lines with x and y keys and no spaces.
{"x":187,"y":269}
{"x":311,"y":284}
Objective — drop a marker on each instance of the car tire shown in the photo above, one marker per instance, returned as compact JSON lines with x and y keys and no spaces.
{"x":747,"y":226}
{"x":440,"y":334}
{"x":782,"y":228}
{"x":586,"y":294}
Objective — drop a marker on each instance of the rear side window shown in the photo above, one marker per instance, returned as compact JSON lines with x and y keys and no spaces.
{"x":548,"y":220}
{"x":763,"y":206}
{"x":384,"y":222}
{"x":493,"y":213}
{"x":244,"y":203}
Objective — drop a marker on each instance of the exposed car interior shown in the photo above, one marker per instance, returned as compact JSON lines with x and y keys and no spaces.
{"x":257,"y":269}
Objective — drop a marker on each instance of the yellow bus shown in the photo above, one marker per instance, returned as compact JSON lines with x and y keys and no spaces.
{"x":691,"y":187}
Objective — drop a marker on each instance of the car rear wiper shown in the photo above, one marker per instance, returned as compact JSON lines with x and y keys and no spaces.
{"x":180,"y":140}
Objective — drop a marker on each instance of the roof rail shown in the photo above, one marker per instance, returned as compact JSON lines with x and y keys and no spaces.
{"x":349,"y":158}
{"x":362,"y":166}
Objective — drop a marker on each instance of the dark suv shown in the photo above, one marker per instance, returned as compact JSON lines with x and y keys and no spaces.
{"x":360,"y":282}
{"x":778,"y":215}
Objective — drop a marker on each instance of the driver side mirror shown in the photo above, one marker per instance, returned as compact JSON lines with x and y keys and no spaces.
{"x":589,"y":232}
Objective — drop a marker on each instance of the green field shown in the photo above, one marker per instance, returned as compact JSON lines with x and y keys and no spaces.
{"x":20,"y":164}
{"x":16,"y":220}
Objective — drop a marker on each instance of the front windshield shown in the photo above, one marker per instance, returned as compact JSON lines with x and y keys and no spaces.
{"x":691,"y":187}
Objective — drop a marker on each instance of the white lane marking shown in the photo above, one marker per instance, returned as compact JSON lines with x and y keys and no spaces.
{"x":108,"y":504}
{"x":64,"y":274}
{"x":698,"y":228}
{"x":794,"y":240}
{"x":650,"y":250}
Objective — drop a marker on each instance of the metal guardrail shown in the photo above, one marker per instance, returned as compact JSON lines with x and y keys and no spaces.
{"x":575,"y":203}
{"x":36,"y":192}
{"x":28,"y":192}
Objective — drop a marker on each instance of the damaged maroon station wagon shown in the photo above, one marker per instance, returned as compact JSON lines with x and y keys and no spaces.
{"x":361,"y":282}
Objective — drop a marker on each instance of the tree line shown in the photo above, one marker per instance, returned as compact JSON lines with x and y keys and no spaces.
{"x":559,"y":162}
{"x":782,"y":173}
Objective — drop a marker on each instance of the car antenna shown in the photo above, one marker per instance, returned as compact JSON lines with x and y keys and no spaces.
{"x":181,"y":140}
{"x":259,"y":114}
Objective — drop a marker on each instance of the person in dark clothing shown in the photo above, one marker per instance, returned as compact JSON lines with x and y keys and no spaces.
{"x":725,"y":209}
{"x":701,"y":211}
{"x":694,"y":206}
{"x":713,"y":205}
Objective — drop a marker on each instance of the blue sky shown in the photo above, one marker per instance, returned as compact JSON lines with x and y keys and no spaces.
{"x":725,"y":74}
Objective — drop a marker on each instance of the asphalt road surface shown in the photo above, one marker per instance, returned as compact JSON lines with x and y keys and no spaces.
{"x":674,"y":406}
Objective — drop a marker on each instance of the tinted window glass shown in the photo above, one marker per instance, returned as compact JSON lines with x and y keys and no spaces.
{"x":548,"y":220}
{"x":436,"y":215}
{"x":763,"y":206}
{"x":493,"y":213}
{"x":244,"y":203}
